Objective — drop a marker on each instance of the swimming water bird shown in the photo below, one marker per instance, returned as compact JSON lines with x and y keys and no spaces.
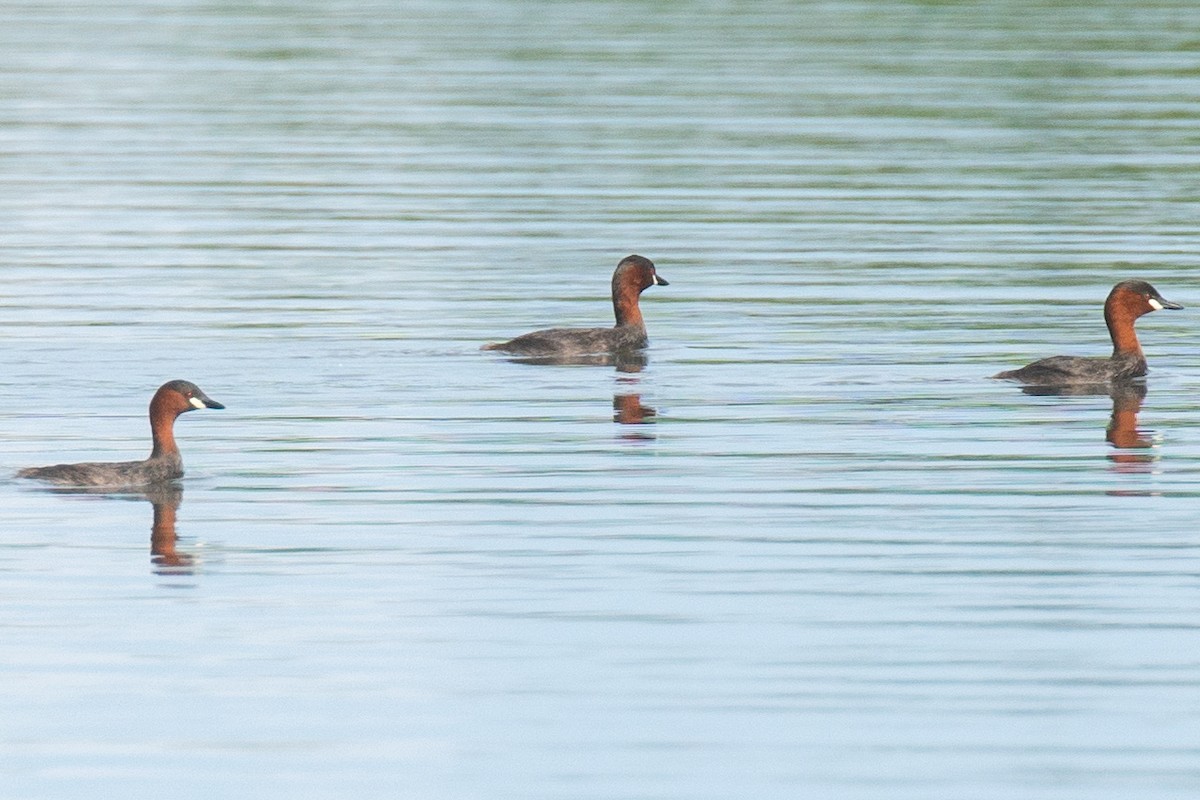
{"x":164,"y":464}
{"x":1127,"y":301}
{"x":633,"y":275}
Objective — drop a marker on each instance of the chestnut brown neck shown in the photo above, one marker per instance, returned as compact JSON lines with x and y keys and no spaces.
{"x":1120,"y":318}
{"x":162,"y":429}
{"x":625,"y":305}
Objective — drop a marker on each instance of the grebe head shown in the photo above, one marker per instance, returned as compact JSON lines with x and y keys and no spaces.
{"x":178,"y":397}
{"x":633,"y":275}
{"x":637,"y":272}
{"x":1135,"y":298}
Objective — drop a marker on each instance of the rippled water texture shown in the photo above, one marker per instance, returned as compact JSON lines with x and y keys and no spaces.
{"x":807,"y":549}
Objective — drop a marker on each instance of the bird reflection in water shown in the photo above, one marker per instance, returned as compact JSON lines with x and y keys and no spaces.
{"x":628,"y":408}
{"x":1136,"y":450}
{"x":632,"y":361}
{"x":163,"y":555}
{"x":165,"y":499}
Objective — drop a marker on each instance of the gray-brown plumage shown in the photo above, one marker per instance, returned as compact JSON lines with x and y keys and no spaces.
{"x":633,"y":275}
{"x":1127,"y":301}
{"x":164,"y":464}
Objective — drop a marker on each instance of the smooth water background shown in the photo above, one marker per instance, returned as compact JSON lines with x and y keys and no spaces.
{"x":808,"y":550}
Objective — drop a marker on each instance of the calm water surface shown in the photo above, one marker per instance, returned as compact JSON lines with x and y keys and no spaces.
{"x":805,"y":550}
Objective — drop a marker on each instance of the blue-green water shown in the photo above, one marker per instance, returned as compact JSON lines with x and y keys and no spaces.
{"x":807,"y":550}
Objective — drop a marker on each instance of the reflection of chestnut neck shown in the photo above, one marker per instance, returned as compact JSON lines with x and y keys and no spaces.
{"x":162,"y":533}
{"x":1123,"y":433}
{"x":1122,"y":426}
{"x":628,"y":410}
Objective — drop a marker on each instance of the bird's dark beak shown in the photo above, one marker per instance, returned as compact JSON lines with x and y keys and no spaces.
{"x":208,"y":401}
{"x":659,"y":280}
{"x":1168,"y":304}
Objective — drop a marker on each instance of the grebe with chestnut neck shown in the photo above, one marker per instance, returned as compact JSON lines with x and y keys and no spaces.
{"x":633,"y":275}
{"x":1127,"y":301}
{"x":164,"y":464}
